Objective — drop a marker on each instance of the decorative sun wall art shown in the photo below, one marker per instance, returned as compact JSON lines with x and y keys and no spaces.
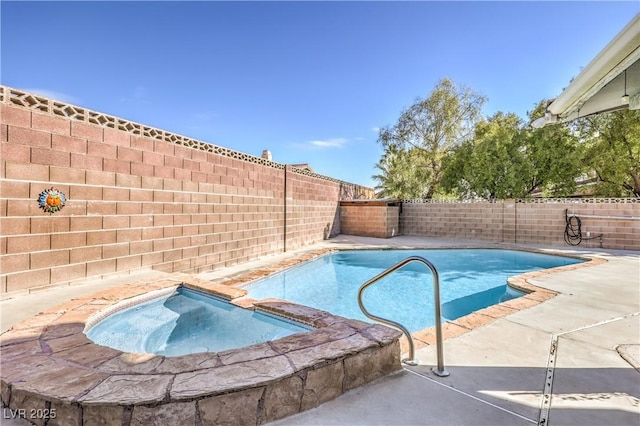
{"x":51,"y":200}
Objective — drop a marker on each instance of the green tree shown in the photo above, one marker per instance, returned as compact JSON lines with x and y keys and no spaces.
{"x":553,"y":155}
{"x":402,"y":174}
{"x":491,"y":165}
{"x":506,"y":159}
{"x":612,"y":152}
{"x":432,"y":126}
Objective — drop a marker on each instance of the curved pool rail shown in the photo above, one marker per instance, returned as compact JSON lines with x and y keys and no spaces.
{"x":49,"y":367}
{"x":439,"y":370}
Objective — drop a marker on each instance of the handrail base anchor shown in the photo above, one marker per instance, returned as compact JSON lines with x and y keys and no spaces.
{"x":409,"y":361}
{"x":439,"y":373}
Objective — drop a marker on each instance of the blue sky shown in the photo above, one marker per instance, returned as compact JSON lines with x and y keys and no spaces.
{"x":310,"y":81}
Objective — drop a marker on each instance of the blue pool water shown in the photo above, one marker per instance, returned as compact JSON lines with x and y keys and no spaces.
{"x":188,"y":322}
{"x":470,"y":279}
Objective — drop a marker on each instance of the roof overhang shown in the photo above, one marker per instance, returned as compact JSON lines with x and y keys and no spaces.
{"x":611,"y":81}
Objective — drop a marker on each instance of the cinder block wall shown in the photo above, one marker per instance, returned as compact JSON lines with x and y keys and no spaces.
{"x":527,"y":221}
{"x":378,"y":221}
{"x":393,"y":221}
{"x":545,"y":223}
{"x":477,"y":221}
{"x":311,"y":209}
{"x":140,"y":198}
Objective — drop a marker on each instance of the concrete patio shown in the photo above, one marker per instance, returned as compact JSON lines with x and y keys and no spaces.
{"x":574,"y":359}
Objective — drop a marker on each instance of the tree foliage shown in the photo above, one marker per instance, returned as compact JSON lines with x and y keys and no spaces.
{"x":441,"y":145}
{"x":432,"y":127}
{"x":553,"y":155}
{"x":506,"y":159}
{"x":489,"y":165}
{"x":402,"y":174}
{"x":612,"y":151}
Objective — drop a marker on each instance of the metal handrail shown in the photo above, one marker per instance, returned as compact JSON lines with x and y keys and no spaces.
{"x":439,"y":370}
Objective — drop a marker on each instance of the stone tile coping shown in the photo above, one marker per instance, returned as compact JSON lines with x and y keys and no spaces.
{"x":50,"y":368}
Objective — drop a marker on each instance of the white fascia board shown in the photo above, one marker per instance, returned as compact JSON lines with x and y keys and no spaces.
{"x":619,"y":54}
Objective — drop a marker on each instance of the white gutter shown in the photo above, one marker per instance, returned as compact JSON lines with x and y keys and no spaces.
{"x":618,"y":55}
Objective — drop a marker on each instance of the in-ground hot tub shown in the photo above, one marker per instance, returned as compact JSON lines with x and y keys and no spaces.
{"x":49,"y":368}
{"x":185,"y":321}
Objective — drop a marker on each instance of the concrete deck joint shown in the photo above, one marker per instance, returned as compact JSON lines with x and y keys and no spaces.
{"x":468,"y":395}
{"x":599,"y":323}
{"x":545,"y":404}
{"x":547,"y":395}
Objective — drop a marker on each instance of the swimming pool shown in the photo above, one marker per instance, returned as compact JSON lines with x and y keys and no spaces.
{"x":185,"y":322}
{"x":471,"y":279}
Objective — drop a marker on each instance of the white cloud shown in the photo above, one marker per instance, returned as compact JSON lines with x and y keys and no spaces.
{"x":56,"y":96}
{"x":329,"y":143}
{"x":375,"y":129}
